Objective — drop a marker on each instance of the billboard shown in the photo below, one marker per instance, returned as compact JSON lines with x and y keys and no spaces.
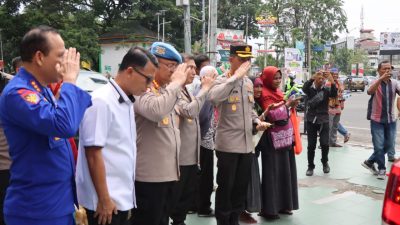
{"x":390,"y":41}
{"x":226,"y":37}
{"x":293,"y":61}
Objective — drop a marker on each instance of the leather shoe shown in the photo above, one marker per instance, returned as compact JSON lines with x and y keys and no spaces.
{"x":335,"y":145}
{"x":326,"y":168}
{"x":310,"y":172}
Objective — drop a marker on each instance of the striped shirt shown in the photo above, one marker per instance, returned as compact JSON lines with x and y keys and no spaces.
{"x":381,"y":104}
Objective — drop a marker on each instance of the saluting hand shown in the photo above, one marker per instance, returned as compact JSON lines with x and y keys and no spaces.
{"x":69,"y":68}
{"x":243,"y":70}
{"x":180,"y":74}
{"x":207,"y":81}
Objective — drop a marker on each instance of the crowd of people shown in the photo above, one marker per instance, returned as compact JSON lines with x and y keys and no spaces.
{"x":147,"y":139}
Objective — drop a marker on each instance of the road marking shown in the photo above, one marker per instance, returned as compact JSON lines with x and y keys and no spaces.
{"x":333,"y":198}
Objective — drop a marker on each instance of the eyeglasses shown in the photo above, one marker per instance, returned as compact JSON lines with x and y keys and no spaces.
{"x":149,"y":79}
{"x":170,"y":66}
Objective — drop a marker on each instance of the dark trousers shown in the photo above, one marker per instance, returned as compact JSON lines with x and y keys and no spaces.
{"x":206,"y":180}
{"x":153,"y":201}
{"x":122,"y":218}
{"x":312,"y":135}
{"x":233,"y":180}
{"x":184,"y":193}
{"x":4,"y":182}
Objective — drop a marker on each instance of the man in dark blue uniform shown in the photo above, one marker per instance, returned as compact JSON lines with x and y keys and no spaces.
{"x":42,"y":188}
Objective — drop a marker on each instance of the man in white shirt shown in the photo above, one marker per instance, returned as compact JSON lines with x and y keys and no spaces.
{"x":106,"y":165}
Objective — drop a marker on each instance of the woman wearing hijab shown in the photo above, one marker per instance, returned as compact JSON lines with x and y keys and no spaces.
{"x":279,"y":176}
{"x":253,"y":201}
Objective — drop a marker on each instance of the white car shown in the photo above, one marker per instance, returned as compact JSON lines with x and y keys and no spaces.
{"x":90,"y":81}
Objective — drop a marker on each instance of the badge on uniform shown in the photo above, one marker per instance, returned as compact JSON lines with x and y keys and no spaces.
{"x":29,"y":96}
{"x":34,"y":85}
{"x":190,"y":120}
{"x":234,"y":107}
{"x":165,"y":121}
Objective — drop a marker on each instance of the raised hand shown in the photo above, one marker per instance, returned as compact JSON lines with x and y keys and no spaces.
{"x":180,"y":74}
{"x":243,"y":70}
{"x":69,"y":68}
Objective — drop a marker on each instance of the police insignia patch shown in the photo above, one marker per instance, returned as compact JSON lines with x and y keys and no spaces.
{"x":160,"y":50}
{"x":247,"y":49}
{"x":29,"y":96}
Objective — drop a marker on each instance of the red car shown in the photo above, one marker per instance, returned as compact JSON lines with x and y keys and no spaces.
{"x":391,"y":204}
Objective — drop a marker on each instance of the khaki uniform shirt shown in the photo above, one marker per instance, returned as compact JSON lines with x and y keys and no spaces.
{"x":234,"y":100}
{"x":5,"y":160}
{"x":158,"y":138}
{"x":188,"y":109}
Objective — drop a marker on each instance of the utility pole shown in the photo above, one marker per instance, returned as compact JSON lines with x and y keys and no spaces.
{"x":213,"y":31}
{"x":158,"y":25}
{"x":247,"y":26}
{"x":163,"y":23}
{"x":266,"y":32}
{"x":187,"y":31}
{"x":308,"y":51}
{"x":203,"y":18}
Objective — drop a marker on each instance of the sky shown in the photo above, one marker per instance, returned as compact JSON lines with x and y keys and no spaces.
{"x":380,"y":15}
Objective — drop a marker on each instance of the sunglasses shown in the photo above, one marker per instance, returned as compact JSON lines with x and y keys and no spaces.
{"x":149,"y":79}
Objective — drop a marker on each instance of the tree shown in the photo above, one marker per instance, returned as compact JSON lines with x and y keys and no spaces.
{"x":271,"y":61}
{"x":341,"y":59}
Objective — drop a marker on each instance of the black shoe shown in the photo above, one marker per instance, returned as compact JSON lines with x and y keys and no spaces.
{"x":269,"y":217}
{"x":310,"y":172}
{"x":391,"y":159}
{"x":182,"y":223}
{"x":208,"y":213}
{"x":326,"y":168}
{"x":369,"y":166}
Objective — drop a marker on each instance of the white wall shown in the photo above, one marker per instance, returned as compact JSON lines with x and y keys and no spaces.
{"x":112,"y":54}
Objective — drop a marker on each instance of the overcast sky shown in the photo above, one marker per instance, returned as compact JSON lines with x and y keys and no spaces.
{"x":380,"y":15}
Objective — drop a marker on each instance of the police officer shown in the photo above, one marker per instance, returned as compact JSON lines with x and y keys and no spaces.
{"x":158,"y":138}
{"x":42,"y":187}
{"x":233,"y":95}
{"x":188,"y":109}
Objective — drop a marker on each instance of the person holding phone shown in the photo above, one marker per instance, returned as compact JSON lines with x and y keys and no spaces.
{"x":279,"y":193}
{"x":382,"y":119}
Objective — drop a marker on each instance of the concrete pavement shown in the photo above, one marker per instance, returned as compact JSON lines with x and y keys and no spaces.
{"x":349,"y":194}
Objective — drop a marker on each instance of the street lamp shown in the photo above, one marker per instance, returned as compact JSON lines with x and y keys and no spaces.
{"x":158,"y":14}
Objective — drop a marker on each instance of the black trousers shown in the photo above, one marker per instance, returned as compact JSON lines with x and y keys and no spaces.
{"x":153,"y":201}
{"x":233,"y":180}
{"x":206,"y":180}
{"x":184,"y":193}
{"x":312,"y":135}
{"x":122,"y":218}
{"x":4,"y":182}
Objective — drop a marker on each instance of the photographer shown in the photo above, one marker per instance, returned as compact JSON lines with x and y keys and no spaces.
{"x":318,"y":93}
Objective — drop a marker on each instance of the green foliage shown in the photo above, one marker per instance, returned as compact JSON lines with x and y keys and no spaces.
{"x":271,"y":61}
{"x":341,"y":59}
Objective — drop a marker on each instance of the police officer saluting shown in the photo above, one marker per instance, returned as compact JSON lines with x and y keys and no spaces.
{"x":188,"y":109}
{"x":42,"y":187}
{"x":158,"y":138}
{"x":233,"y":95}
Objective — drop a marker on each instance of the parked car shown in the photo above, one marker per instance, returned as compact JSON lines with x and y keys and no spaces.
{"x":354,"y":83}
{"x":391,"y":204}
{"x":90,"y":80}
{"x":370,"y":79}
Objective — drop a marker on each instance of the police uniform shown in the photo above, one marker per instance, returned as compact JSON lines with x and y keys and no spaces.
{"x":42,"y":187}
{"x":234,"y":99}
{"x":158,"y":145}
{"x":188,"y":109}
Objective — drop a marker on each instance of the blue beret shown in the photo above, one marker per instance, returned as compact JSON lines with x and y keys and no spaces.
{"x":334,"y":70}
{"x":165,"y":51}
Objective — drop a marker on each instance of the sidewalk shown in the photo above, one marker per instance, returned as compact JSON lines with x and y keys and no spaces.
{"x":349,"y":194}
